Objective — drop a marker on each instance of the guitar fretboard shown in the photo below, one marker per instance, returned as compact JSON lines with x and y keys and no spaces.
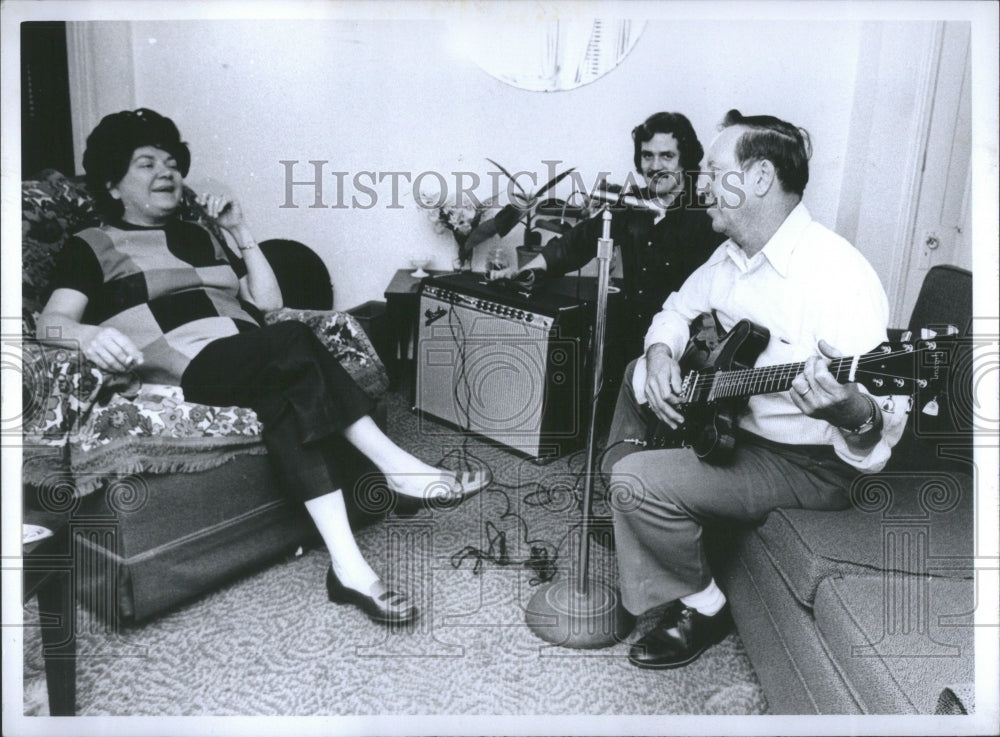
{"x":702,"y":387}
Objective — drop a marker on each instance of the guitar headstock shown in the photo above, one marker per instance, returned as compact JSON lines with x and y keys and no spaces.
{"x":907,"y":366}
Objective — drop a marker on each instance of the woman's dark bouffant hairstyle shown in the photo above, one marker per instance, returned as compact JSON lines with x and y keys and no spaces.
{"x":783,"y":144}
{"x":688,"y":145}
{"x":111,"y":144}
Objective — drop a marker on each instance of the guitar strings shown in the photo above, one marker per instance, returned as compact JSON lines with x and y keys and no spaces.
{"x":735,"y":382}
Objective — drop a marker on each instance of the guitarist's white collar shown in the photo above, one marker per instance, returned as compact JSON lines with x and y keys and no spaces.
{"x":778,"y":250}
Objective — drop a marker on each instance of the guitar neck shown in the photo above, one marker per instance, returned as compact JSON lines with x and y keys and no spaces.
{"x":741,"y":383}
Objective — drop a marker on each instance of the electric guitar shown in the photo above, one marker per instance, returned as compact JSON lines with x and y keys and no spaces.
{"x":716,"y":389}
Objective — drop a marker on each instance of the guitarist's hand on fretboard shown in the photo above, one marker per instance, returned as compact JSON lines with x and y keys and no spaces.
{"x":663,"y":384}
{"x":818,"y":394}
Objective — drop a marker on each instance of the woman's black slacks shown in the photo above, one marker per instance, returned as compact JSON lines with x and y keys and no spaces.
{"x":302,"y":395}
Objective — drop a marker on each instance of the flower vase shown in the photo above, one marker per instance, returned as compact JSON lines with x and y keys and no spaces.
{"x":464,"y":260}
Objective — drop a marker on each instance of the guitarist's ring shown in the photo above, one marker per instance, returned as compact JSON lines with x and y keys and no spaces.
{"x":808,"y":389}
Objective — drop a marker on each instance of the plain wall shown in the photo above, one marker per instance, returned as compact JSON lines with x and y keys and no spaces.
{"x":393,"y":96}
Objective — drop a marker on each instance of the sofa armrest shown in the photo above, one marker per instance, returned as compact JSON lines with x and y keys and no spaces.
{"x":347,"y":341}
{"x":59,"y":387}
{"x":59,"y":390}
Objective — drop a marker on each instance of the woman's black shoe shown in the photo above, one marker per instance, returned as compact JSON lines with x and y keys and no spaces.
{"x":384,"y":607}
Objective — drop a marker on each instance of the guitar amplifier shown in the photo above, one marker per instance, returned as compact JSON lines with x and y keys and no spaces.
{"x":507,"y":366}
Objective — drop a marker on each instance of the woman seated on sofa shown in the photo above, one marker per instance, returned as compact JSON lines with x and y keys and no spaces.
{"x":164,"y":298}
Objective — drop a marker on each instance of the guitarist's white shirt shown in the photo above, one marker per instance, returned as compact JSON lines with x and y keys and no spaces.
{"x":806,"y":284}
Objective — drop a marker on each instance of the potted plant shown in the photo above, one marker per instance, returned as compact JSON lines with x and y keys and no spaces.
{"x":521,"y":209}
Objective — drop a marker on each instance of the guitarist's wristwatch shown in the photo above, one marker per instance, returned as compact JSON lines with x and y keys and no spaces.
{"x":869,"y":424}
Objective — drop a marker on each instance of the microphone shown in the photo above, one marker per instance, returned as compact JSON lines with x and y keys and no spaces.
{"x":634,"y":201}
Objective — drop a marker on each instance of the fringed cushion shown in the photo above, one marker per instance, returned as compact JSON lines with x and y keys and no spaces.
{"x":156,"y":431}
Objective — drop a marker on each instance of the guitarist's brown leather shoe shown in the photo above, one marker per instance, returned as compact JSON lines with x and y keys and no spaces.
{"x":681,"y":636}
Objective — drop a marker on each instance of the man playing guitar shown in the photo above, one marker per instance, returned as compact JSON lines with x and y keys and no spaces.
{"x":814,"y":295}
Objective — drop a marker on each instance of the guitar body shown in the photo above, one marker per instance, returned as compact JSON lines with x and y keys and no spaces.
{"x":710,"y":426}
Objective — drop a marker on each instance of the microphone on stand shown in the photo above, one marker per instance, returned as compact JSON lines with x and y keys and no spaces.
{"x":582,"y":611}
{"x":634,"y":201}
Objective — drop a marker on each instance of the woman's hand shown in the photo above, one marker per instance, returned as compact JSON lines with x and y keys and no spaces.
{"x":224,"y":210}
{"x":107,"y":348}
{"x":111,"y":350}
{"x":259,"y":284}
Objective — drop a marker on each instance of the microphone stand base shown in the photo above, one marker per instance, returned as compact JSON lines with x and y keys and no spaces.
{"x":559,"y":613}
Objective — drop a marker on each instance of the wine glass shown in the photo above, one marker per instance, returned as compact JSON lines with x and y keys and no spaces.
{"x":419,"y":264}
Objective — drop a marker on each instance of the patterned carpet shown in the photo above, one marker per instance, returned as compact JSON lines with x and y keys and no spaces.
{"x":271,"y":644}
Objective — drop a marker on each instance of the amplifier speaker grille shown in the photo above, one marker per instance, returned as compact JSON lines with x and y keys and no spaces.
{"x":506,"y":378}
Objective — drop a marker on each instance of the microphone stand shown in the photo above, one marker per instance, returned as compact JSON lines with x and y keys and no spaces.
{"x":583,"y":613}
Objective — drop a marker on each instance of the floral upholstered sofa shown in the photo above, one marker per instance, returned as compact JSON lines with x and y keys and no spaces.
{"x":170,"y":498}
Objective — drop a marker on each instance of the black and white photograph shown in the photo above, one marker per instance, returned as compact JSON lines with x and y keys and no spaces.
{"x":646,"y":352}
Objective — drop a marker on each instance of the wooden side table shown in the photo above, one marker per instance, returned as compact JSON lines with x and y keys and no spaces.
{"x":48,"y":567}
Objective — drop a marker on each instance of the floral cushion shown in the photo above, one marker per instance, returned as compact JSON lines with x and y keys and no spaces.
{"x":344,"y":337}
{"x":52,"y":208}
{"x":82,"y":425}
{"x":94,"y":425}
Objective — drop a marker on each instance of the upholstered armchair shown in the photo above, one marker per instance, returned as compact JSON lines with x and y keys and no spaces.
{"x":167,"y":498}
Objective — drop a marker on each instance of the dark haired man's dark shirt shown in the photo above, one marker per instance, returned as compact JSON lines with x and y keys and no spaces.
{"x":656,"y":259}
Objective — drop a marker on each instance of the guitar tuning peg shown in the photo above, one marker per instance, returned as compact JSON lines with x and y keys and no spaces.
{"x":931,"y":408}
{"x":906,"y":336}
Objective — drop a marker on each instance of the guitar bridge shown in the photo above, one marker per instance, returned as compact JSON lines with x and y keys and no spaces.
{"x":687,"y":387}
